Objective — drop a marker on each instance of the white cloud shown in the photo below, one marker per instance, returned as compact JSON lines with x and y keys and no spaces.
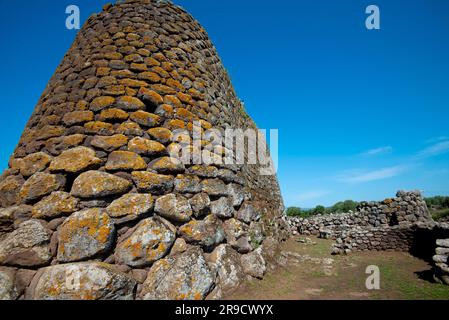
{"x":377,"y":151}
{"x":374,"y":175}
{"x":434,"y":150}
{"x":312,"y":195}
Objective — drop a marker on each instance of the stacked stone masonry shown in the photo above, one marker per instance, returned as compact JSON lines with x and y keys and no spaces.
{"x":441,"y":260}
{"x":393,"y":224}
{"x":92,"y":206}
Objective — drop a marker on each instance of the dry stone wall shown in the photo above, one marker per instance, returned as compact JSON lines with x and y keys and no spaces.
{"x":398,"y":224}
{"x":93,"y":207}
{"x":441,"y":260}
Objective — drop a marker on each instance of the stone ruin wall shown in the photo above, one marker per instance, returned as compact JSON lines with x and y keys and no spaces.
{"x":441,"y":260}
{"x":399,"y":224}
{"x":90,"y":196}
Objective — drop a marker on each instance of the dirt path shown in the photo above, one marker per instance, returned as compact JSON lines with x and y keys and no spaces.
{"x":402,"y":276}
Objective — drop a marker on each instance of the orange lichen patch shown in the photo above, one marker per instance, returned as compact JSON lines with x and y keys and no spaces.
{"x":140,"y":67}
{"x":185,"y":115}
{"x":112,"y":55}
{"x":109,"y":143}
{"x":168,"y":66}
{"x":91,"y":226}
{"x":388,"y":201}
{"x":196,"y":94}
{"x":143,"y":52}
{"x":176,"y":124}
{"x":151,"y":62}
{"x":186,"y":98}
{"x":125,"y":160}
{"x":160,"y":71}
{"x":145,"y":146}
{"x":101,"y":102}
{"x":175,"y":84}
{"x":149,"y":77}
{"x":133,"y":83}
{"x":206,"y":125}
{"x":166,"y":110}
{"x":131,"y":92}
{"x":173,"y":101}
{"x":77,"y":117}
{"x":159,"y":57}
{"x":151,"y":96}
{"x":146,"y":119}
{"x":146,"y":180}
{"x":103,"y":71}
{"x":113,"y":115}
{"x":163,"y":89}
{"x":120,"y":74}
{"x":128,"y":126}
{"x":162,"y":135}
{"x":81,"y":105}
{"x":99,"y":127}
{"x":130,"y":103}
{"x":115,"y":90}
{"x":49,"y":132}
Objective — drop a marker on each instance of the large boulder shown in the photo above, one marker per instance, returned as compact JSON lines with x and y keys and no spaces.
{"x":81,"y":281}
{"x":84,"y":235}
{"x":253,"y":264}
{"x":174,"y":207}
{"x":225,"y":261}
{"x":97,"y":184}
{"x":185,"y":276}
{"x":75,"y":161}
{"x":206,"y":233}
{"x":27,"y":246}
{"x":148,"y":242}
{"x":56,"y":204}
{"x":39,"y":185}
{"x":8,"y":290}
{"x":131,"y":206}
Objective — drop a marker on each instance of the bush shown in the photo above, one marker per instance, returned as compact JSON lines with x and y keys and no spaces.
{"x":438,"y":202}
{"x":294,"y":212}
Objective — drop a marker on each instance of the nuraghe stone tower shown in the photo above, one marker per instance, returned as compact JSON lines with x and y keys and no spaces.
{"x":92,"y":206}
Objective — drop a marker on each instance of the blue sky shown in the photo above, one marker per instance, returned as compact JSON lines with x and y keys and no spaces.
{"x":361,"y":114}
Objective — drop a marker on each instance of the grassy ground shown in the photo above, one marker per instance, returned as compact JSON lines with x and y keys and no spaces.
{"x":439,"y":214}
{"x":402,"y":277}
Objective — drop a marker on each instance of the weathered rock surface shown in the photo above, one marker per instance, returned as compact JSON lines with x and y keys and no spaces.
{"x":222,"y":208}
{"x":150,"y":241}
{"x":8,"y":290}
{"x":152,"y":182}
{"x":27,"y":246}
{"x":84,"y":235}
{"x":226,"y":262}
{"x":39,"y":185}
{"x":97,"y":184}
{"x":32,"y":163}
{"x":75,"y":161}
{"x":56,"y":204}
{"x":174,"y":207}
{"x":206,"y":233}
{"x":125,"y":161}
{"x":253,"y":264}
{"x":132,"y":205}
{"x":185,"y":276}
{"x":82,"y":281}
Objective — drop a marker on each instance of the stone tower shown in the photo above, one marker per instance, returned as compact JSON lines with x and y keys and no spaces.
{"x":94,"y":204}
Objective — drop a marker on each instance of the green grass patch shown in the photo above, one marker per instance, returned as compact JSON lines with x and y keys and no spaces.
{"x":440,"y":214}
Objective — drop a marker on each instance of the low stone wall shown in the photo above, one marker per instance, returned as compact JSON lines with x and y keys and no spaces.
{"x":398,"y":224}
{"x":441,"y":261}
{"x":406,"y":208}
